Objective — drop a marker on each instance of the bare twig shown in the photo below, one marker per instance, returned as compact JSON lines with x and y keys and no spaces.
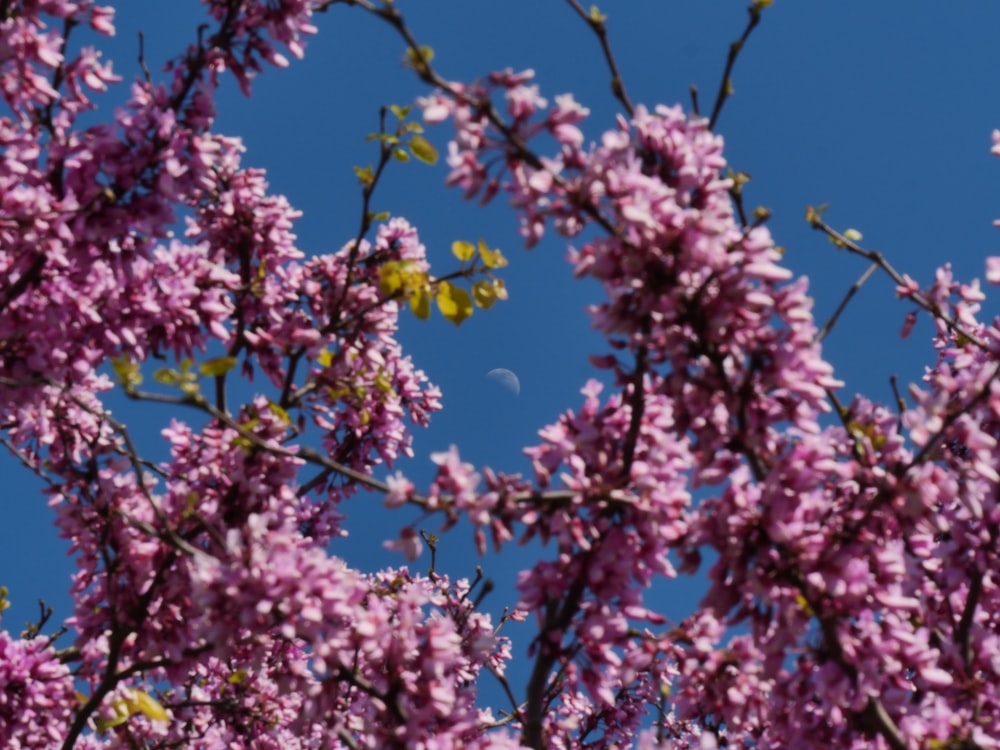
{"x":596,"y":23}
{"x":430,"y":76}
{"x":726,"y":85}
{"x":828,"y":326}
{"x":880,"y":261}
{"x":142,"y":58}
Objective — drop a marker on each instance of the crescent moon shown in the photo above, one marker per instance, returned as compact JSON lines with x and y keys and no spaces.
{"x":506,"y":378}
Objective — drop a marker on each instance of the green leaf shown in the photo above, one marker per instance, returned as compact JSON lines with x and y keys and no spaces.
{"x":463,"y":250}
{"x":213,"y":368}
{"x":815,"y":215}
{"x":190,"y":387}
{"x":122,"y":712}
{"x":491,"y":258}
{"x":279,"y":412}
{"x":401,"y":275}
{"x":400,"y":111}
{"x":484,"y":293}
{"x":127,"y":371}
{"x":365,"y":175}
{"x":400,"y":154}
{"x":423,"y":150}
{"x":148,"y":706}
{"x":500,"y":289}
{"x":167,"y":376}
{"x":418,"y":59}
{"x":420,"y":304}
{"x":190,"y":503}
{"x":454,"y":302}
{"x":383,"y":383}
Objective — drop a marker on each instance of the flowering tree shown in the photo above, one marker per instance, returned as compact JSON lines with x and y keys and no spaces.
{"x":853,"y":598}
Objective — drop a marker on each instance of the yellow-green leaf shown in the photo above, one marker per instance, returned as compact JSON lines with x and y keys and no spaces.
{"x":217,"y":366}
{"x":190,"y":503}
{"x":127,"y":371}
{"x":190,"y":388}
{"x":391,"y":278}
{"x":491,"y":258}
{"x":400,"y":154}
{"x":104,"y":725}
{"x":279,"y":412}
{"x":596,"y":15}
{"x":484,"y":293}
{"x":420,"y":304}
{"x":814,"y":215}
{"x":365,"y":175}
{"x":454,"y":302}
{"x":122,"y":711}
{"x":804,"y":605}
{"x":463,"y":250}
{"x":853,"y":235}
{"x":167,"y":376}
{"x":148,"y":706}
{"x":383,"y":383}
{"x":400,"y":111}
{"x":237,"y":677}
{"x":324,"y":358}
{"x":423,"y":150}
{"x":418,"y":59}
{"x":401,"y":275}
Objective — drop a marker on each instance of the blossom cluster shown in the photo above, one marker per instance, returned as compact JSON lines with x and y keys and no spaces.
{"x":208,"y":609}
{"x":853,"y":562}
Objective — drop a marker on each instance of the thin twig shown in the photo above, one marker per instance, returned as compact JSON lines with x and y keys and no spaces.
{"x":855,"y":287}
{"x":596,"y":23}
{"x":142,"y":58}
{"x":695,"y":106}
{"x":428,"y":75}
{"x":726,"y":85}
{"x":879,"y":260}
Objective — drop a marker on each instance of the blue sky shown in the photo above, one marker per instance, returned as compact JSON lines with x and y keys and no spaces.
{"x":884,"y":110}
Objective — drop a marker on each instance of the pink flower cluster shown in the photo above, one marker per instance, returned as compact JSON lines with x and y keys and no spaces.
{"x":204,"y":579}
{"x":852,"y":590}
{"x":36,"y":694}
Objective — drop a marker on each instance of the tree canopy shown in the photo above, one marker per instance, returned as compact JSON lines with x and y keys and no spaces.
{"x":848,"y":548}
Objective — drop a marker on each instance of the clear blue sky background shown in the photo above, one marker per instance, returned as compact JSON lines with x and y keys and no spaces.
{"x":884,"y":110}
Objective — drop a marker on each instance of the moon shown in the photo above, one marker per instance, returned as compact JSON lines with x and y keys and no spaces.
{"x":506,"y":378}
